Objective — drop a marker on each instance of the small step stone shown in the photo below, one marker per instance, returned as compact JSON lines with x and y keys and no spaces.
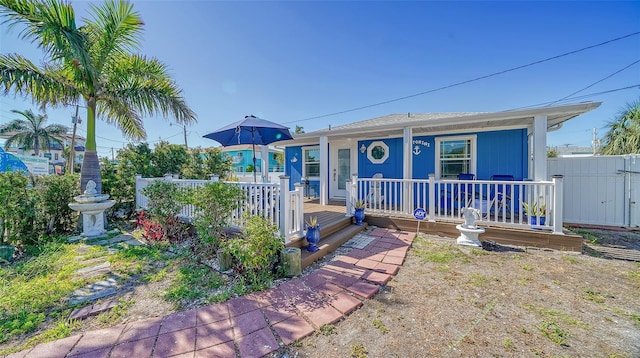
{"x":93,"y":310}
{"x":95,"y":270}
{"x":94,"y":291}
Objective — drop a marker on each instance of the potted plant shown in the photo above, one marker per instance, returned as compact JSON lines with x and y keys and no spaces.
{"x":358,"y":214}
{"x":313,"y":234}
{"x":534,"y":211}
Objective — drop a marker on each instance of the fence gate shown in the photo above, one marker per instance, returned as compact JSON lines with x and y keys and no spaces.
{"x":601,"y":190}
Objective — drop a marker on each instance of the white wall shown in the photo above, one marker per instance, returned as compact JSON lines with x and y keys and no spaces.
{"x":600,"y":190}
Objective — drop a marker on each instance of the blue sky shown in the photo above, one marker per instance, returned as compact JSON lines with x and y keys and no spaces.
{"x":290,"y":61}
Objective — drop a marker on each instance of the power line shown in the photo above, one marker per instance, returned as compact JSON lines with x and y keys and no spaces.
{"x":578,"y":97}
{"x":595,"y":83}
{"x":467,"y":81}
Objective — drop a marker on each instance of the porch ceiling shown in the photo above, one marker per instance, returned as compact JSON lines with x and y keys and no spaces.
{"x":424,"y":123}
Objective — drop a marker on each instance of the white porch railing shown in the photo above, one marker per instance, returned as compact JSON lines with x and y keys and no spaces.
{"x":284,"y":208}
{"x":500,"y":202}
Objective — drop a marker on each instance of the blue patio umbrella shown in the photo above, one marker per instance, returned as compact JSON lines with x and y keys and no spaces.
{"x":250,"y":130}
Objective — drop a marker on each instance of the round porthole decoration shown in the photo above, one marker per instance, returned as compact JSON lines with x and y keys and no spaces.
{"x":378,"y":152}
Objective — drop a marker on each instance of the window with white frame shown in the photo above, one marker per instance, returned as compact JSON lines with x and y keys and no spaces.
{"x":455,"y":155}
{"x":311,"y":162}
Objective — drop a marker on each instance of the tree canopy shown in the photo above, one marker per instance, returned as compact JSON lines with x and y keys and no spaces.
{"x":623,"y":136}
{"x":30,"y":132}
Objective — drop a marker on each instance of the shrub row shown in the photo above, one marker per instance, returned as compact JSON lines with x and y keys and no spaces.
{"x":32,"y":212}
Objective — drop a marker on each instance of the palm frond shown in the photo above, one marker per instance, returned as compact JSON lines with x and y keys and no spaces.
{"x":20,"y":76}
{"x":115,"y":30}
{"x":147,"y":87}
{"x":115,"y":110}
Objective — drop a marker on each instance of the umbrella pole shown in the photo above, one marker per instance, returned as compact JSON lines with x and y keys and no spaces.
{"x":255,"y":180}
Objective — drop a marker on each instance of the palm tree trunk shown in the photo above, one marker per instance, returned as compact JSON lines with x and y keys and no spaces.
{"x":90,"y":171}
{"x":91,"y":164}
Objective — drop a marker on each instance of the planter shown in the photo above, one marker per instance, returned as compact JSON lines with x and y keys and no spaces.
{"x":291,"y":261}
{"x":533,"y":220}
{"x":6,"y":252}
{"x":313,"y":237}
{"x":359,"y":216}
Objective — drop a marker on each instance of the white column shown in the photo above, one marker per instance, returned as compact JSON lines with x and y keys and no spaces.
{"x":265,"y":163}
{"x":407,"y":168}
{"x":558,"y":204}
{"x":324,"y":170}
{"x":540,"y":148}
{"x":285,"y":209}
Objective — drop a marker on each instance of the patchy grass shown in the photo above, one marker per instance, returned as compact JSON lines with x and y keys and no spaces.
{"x":326,"y":330}
{"x":358,"y":351}
{"x":554,"y":314}
{"x":554,"y":332}
{"x":117,"y":313}
{"x":193,"y":281}
{"x":34,"y":288}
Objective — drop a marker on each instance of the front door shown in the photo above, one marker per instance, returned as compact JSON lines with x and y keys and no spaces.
{"x":340,"y":170}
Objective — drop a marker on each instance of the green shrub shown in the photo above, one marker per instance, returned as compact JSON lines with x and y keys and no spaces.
{"x":17,"y":212}
{"x":165,"y":203}
{"x":214,"y":203}
{"x":257,"y":251}
{"x":54,"y":193}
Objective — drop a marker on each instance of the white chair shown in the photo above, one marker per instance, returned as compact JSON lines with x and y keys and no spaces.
{"x":375,"y":198}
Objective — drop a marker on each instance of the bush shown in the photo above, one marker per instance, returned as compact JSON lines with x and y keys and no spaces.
{"x":17,"y":214}
{"x":257,"y":252}
{"x":165,"y":203}
{"x":214,"y":203}
{"x":54,"y":193}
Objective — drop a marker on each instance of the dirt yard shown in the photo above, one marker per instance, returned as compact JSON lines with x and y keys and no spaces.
{"x":449,"y":301}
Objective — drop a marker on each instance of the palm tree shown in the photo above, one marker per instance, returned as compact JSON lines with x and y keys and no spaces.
{"x":623,"y":136}
{"x":94,"y":62}
{"x":30,"y":132}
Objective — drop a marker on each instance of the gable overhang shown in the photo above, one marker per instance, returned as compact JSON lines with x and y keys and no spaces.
{"x":475,"y":122}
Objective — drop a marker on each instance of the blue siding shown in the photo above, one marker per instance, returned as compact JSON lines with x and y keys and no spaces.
{"x":502,"y":152}
{"x":391,"y":168}
{"x":498,"y":152}
{"x":424,"y":163}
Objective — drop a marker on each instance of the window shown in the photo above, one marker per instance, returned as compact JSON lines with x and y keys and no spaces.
{"x":311,"y":163}
{"x":378,"y":152}
{"x":455,"y":155}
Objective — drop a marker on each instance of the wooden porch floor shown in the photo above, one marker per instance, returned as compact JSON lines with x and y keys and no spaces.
{"x":327,"y":215}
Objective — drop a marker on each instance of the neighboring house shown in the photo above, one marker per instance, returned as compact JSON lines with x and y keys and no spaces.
{"x":415,"y":145}
{"x":242,"y":156}
{"x":54,"y":153}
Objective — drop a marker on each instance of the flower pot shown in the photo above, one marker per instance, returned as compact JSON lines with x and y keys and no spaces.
{"x":313,"y":237}
{"x":359,"y":216}
{"x":533,"y":220}
{"x":6,"y":252}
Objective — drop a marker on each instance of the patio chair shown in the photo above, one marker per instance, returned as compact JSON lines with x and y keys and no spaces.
{"x":375,"y":198}
{"x":500,"y":194}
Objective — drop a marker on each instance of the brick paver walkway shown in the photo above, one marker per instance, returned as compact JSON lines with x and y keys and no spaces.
{"x":252,"y":325}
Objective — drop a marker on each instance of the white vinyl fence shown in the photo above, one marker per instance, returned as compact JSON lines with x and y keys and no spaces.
{"x":284,"y":208}
{"x":600,"y":190}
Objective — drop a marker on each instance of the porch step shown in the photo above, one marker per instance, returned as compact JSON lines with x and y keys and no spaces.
{"x":326,"y":230}
{"x":330,"y":243}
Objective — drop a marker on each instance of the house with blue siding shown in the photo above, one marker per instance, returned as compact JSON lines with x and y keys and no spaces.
{"x":509,"y":144}
{"x":242,"y":158}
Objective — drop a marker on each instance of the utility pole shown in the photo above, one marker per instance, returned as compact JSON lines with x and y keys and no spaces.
{"x":112,"y":157}
{"x":72,"y":152}
{"x":184,"y":128}
{"x":595,"y":141}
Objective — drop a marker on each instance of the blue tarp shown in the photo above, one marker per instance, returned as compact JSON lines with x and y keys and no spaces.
{"x":10,"y":163}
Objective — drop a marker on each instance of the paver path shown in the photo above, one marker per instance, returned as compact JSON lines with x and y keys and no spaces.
{"x":252,"y":325}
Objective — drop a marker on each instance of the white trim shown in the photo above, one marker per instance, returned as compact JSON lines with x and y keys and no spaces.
{"x":370,"y":148}
{"x":474,"y":150}
{"x":304,"y":162}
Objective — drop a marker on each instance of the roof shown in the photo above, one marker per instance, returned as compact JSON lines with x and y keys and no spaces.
{"x":427,"y":123}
